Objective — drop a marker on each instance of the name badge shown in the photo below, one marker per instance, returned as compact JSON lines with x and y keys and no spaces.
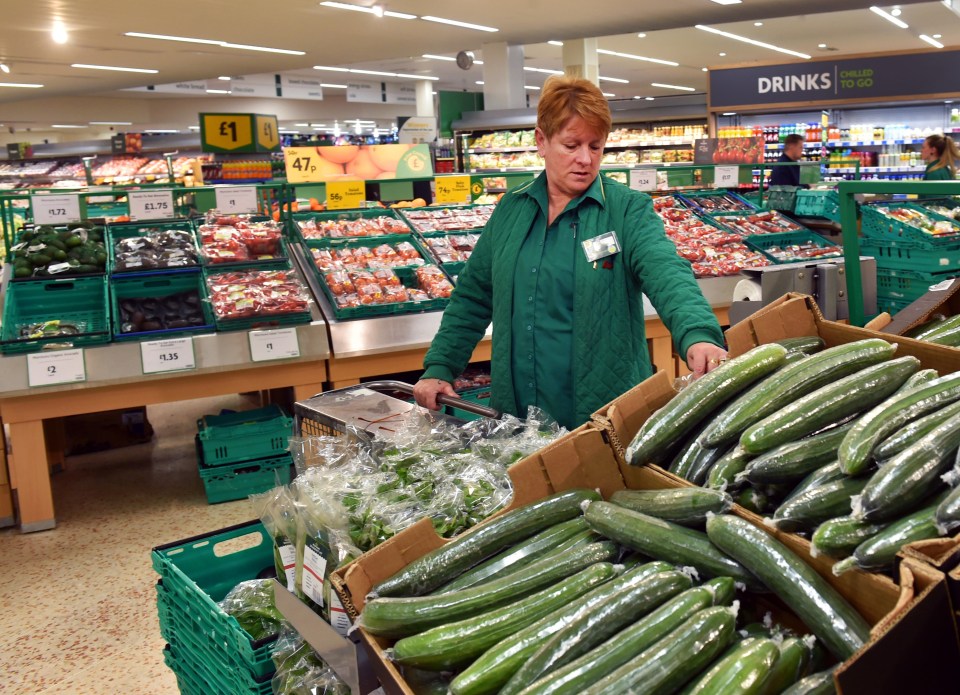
{"x":601,"y":247}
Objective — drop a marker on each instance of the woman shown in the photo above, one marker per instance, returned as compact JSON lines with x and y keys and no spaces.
{"x":568,"y":323}
{"x":942,"y":157}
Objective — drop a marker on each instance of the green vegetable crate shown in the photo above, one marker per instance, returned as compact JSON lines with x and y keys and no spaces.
{"x":263,"y":320}
{"x":908,"y":285}
{"x":116,"y":232}
{"x":281,"y":259}
{"x":240,"y":480}
{"x":764,"y":242}
{"x":782,"y":198}
{"x":479,"y":395}
{"x":408,"y":277}
{"x":239,"y":437}
{"x":360,"y":214}
{"x":158,"y":285}
{"x":823,"y":204}
{"x":879,"y":227}
{"x":891,"y":306}
{"x":911,"y":255}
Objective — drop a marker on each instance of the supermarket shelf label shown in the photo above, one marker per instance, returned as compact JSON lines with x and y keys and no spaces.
{"x":726,"y":177}
{"x":151,"y":205}
{"x":56,"y":367}
{"x":274,"y":344}
{"x":345,"y":195}
{"x":452,"y":190}
{"x":172,"y":355}
{"x":236,"y":199}
{"x":55,"y":209}
{"x":643,"y":179}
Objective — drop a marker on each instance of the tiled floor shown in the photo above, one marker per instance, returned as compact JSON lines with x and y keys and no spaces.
{"x":77,"y":603}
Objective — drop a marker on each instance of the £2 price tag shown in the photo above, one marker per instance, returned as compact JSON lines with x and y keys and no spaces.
{"x":56,"y":367}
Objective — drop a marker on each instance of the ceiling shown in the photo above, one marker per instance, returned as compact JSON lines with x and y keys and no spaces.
{"x":335,"y":37}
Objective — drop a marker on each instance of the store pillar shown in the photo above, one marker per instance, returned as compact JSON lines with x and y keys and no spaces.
{"x":425,"y":99}
{"x":580,"y":59}
{"x":503,"y":77}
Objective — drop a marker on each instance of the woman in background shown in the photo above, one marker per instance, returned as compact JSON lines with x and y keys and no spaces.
{"x":942,"y":157}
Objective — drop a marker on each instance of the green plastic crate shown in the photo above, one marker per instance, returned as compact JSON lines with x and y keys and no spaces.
{"x":443,"y":232}
{"x":159,"y":285}
{"x":116,"y":232}
{"x":237,"y":481}
{"x":362,"y":213}
{"x":188,"y":681}
{"x":824,"y":204}
{"x":479,"y":395}
{"x":878,"y":227}
{"x":249,"y":434}
{"x":691,"y":201}
{"x":764,"y":242}
{"x":281,"y":259}
{"x":253,"y":322}
{"x":782,"y":198}
{"x":908,"y":285}
{"x":906,"y":255}
{"x":71,"y":300}
{"x":891,"y":306}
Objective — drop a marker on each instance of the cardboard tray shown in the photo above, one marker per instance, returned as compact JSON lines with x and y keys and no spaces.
{"x":944,"y":299}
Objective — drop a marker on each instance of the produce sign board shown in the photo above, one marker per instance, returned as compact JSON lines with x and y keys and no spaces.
{"x":238,"y":132}
{"x":728,"y":151}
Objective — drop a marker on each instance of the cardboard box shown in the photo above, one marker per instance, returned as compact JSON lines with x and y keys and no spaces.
{"x":890,"y":662}
{"x":943,"y":555}
{"x":944,"y":299}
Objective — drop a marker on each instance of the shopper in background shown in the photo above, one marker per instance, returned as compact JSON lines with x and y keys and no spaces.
{"x":942,"y":157}
{"x":788,"y":173}
{"x":568,"y":322}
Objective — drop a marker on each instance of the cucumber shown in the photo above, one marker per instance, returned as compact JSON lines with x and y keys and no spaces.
{"x":789,"y":667}
{"x":426,"y":682}
{"x":694,"y":462}
{"x":438,"y":567}
{"x":925,"y":329}
{"x":399,"y":617}
{"x":839,"y":537}
{"x":949,"y":337}
{"x":498,"y":663}
{"x":790,"y":383}
{"x":579,"y":674}
{"x":817,"y":684}
{"x":687,"y":506}
{"x":911,"y":476}
{"x":455,"y":645}
{"x":948,"y":512}
{"x":880,"y":551}
{"x":724,"y":472}
{"x":828,"y":404}
{"x":665,"y":541}
{"x":807,"y":345}
{"x":792,"y":461}
{"x":824,"y":474}
{"x":755,"y":500}
{"x":724,"y":590}
{"x":741,"y":671}
{"x":688,"y":409}
{"x":831,"y":618}
{"x":519,"y":555}
{"x":891,"y":415}
{"x":913,"y":431}
{"x":924,"y":376}
{"x":592,"y":628}
{"x":675,"y":659}
{"x":812,"y":507}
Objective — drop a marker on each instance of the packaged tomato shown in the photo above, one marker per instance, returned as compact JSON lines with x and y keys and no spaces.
{"x":361,"y":278}
{"x":417,"y":295}
{"x":339,"y":283}
{"x":407,"y":251}
{"x":370,"y":293}
{"x":347,"y":301}
{"x":393,"y":294}
{"x":386,"y":277}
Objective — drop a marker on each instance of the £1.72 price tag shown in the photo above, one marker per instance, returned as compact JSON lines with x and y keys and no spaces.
{"x":236,"y":199}
{"x":643,"y":179}
{"x":276,"y":344}
{"x":173,"y":355}
{"x":56,"y":367}
{"x":726,"y":177}
{"x":151,"y":205}
{"x":55,"y":209}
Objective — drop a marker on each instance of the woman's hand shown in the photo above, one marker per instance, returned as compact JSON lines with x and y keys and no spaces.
{"x":426,"y":391}
{"x":704,"y":357}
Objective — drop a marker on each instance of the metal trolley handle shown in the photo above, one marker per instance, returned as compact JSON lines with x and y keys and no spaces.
{"x":403,"y":387}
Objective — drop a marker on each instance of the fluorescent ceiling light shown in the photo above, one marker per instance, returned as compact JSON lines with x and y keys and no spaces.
{"x":455,"y":23}
{"x":543,"y":70}
{"x":325,"y":67}
{"x":758,"y":24}
{"x":479,"y":82}
{"x":650,"y":98}
{"x":59,"y":33}
{"x":727,"y":2}
{"x":608,"y":94}
{"x":224,"y":78}
{"x":478,"y":62}
{"x":889,"y":17}
{"x":527,"y":86}
{"x":936,"y":36}
{"x":111,"y":123}
{"x":821,"y":45}
{"x":302,"y":125}
{"x":212,"y":42}
{"x":636,"y":57}
{"x":723,"y":55}
{"x":729,"y":113}
{"x":161,"y":131}
{"x":5,"y":68}
{"x":218,"y":91}
{"x":112,"y":67}
{"x":555,"y":43}
{"x":68,"y":126}
{"x":375,"y":10}
{"x":672,"y":86}
{"x":641,"y":35}
{"x":333,"y":86}
{"x":193,"y":127}
{"x":753,"y":42}
{"x":373,"y":72}
{"x":25,"y":85}
{"x":930,"y":40}
{"x":704,"y":69}
{"x":262,"y":49}
{"x":614,"y":79}
{"x":414,"y":77}
{"x":431,"y":56}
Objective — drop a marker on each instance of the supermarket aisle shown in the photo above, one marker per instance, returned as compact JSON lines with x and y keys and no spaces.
{"x":78,"y":602}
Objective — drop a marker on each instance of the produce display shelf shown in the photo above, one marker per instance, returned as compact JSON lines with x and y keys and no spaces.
{"x":877,"y":226}
{"x":765,"y":242}
{"x":782,"y":198}
{"x":237,"y":481}
{"x":158,"y":285}
{"x":248,"y":434}
{"x":281,"y":258}
{"x":261,"y":320}
{"x":355,"y":214}
{"x":116,"y":232}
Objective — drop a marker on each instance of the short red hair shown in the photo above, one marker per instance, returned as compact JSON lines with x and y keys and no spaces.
{"x":564,"y":97}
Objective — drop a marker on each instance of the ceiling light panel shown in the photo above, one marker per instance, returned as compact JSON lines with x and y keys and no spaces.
{"x":212,"y":42}
{"x":375,"y":10}
{"x":672,"y":86}
{"x":889,"y":17}
{"x":23,"y":85}
{"x":457,"y":23}
{"x":752,"y":42}
{"x":930,"y":40}
{"x":631,"y":56}
{"x":115,"y":68}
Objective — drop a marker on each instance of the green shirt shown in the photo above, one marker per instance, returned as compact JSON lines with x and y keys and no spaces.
{"x":542,"y":350}
{"x":941,"y":174}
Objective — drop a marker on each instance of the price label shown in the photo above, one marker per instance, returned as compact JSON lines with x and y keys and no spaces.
{"x":452,"y":190}
{"x":345,"y":195}
{"x":173,"y":355}
{"x":643,"y":179}
{"x":227,"y":131}
{"x":151,"y":205}
{"x":268,"y":133}
{"x":55,"y":209}
{"x":302,"y":165}
{"x":58,"y":367}
{"x":236,"y":199}
{"x":726,"y":177}
{"x":276,"y":344}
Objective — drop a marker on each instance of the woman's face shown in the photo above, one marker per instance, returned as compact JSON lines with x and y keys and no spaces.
{"x":927,"y":153}
{"x":572,"y":156}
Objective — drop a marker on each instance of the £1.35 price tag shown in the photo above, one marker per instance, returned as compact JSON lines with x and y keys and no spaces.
{"x":726,"y":177}
{"x":236,"y":199}
{"x":173,"y":355}
{"x":151,"y":205}
{"x":643,"y":179}
{"x":55,"y":209}
{"x":275,"y":344}
{"x":56,"y":367}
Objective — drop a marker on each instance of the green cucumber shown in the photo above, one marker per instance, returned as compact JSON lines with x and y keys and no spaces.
{"x":724,"y":472}
{"x":755,"y":501}
{"x":519,"y":555}
{"x":924,"y":376}
{"x":913,"y":431}
{"x":694,"y":462}
{"x":892,"y":414}
{"x":741,"y":671}
{"x":687,"y":506}
{"x":790,"y":383}
{"x":675,"y":659}
{"x":789,"y":667}
{"x":590,"y":629}
{"x":399,"y":617}
{"x":948,"y":512}
{"x":665,"y":541}
{"x":880,"y":551}
{"x":828,"y":404}
{"x":455,"y":645}
{"x":724,"y":590}
{"x":925,"y":329}
{"x":831,"y":618}
{"x":488,"y":673}
{"x":808,"y":344}
{"x":817,"y":684}
{"x":687,"y":410}
{"x":911,"y":476}
{"x":438,"y":567}
{"x":838,"y":538}
{"x":824,"y":474}
{"x":790,"y":462}
{"x":425,"y":682}
{"x":579,"y":674}
{"x":949,"y":337}
{"x":812,"y":507}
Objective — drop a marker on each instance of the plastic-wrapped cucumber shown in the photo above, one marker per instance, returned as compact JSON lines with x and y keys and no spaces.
{"x":687,"y":506}
{"x":928,"y":328}
{"x":912,"y":432}
{"x":741,"y":671}
{"x":755,"y":501}
{"x":674,"y":660}
{"x":792,"y":461}
{"x":814,"y":506}
{"x":807,"y":345}
{"x":948,"y":513}
{"x":695,"y":461}
{"x":723,"y":474}
{"x":821,"y":476}
{"x":817,"y":684}
{"x":838,"y":538}
{"x":789,"y":667}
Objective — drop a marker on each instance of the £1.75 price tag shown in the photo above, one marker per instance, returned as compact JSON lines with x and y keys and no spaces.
{"x":726,"y":177}
{"x":56,"y":367}
{"x":55,"y":209}
{"x":151,"y":205}
{"x":275,"y":344}
{"x":236,"y":199}
{"x":643,"y":179}
{"x":173,"y":355}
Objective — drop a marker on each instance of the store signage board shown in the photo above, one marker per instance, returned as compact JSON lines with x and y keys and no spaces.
{"x":173,"y":355}
{"x":275,"y":344}
{"x":419,"y":129}
{"x":262,"y":85}
{"x":452,"y":190}
{"x":301,"y":165}
{"x":644,"y":179}
{"x":726,"y":177}
{"x":268,"y":133}
{"x":345,"y":195}
{"x":55,"y":209}
{"x":396,"y":93}
{"x":56,"y":367}
{"x":236,"y":199}
{"x":830,"y":81}
{"x":301,"y":87}
{"x":365,"y":92}
{"x":226,"y":132}
{"x":151,"y":205}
